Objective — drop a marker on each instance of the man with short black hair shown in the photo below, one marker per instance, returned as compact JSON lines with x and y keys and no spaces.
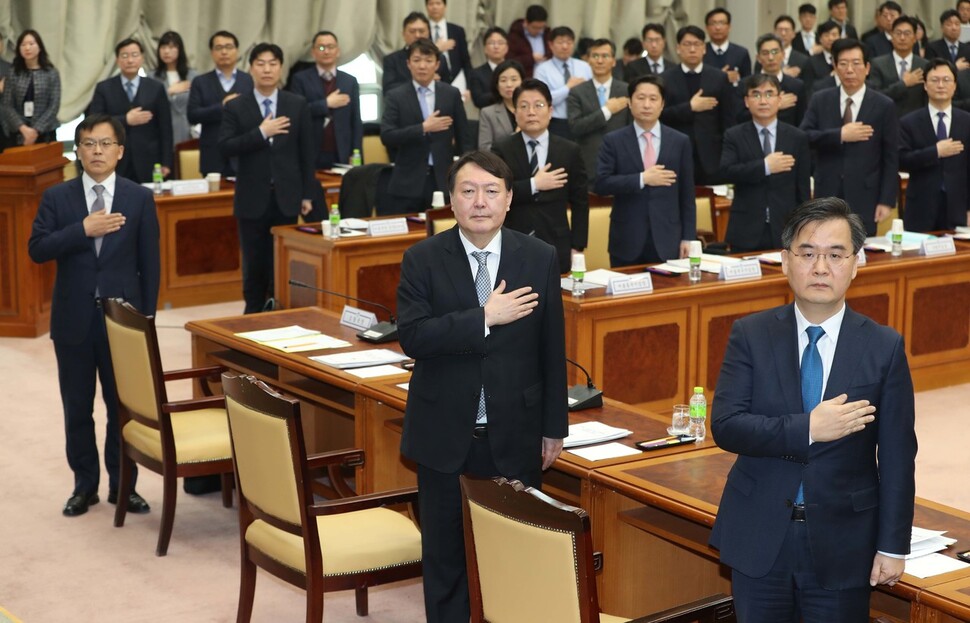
{"x":396,"y":72}
{"x":899,"y":75}
{"x":495,"y":42}
{"x":805,"y":41}
{"x":879,"y":39}
{"x":791,"y":96}
{"x":656,"y":60}
{"x":822,"y":65}
{"x":451,"y":42}
{"x":949,"y":46}
{"x":529,"y":39}
{"x":730,"y":58}
{"x":562,"y":73}
{"x":963,"y":8}
{"x":795,"y":63}
{"x":839,"y":13}
{"x":143,"y":109}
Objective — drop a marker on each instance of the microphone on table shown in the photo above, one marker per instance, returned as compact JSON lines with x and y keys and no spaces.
{"x":584,"y":396}
{"x":377,"y":334}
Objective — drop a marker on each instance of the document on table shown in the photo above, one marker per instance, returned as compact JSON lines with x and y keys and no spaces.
{"x":404,"y":386}
{"x":360,"y":358}
{"x":604,"y":451}
{"x":709,"y":263}
{"x":375,"y":371}
{"x":293,"y":339}
{"x":932,"y":564}
{"x":586,"y":433}
{"x":280,"y":333}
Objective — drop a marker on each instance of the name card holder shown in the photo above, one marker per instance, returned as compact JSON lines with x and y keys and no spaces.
{"x":745,"y":269}
{"x":937,"y":246}
{"x":388,"y":227}
{"x":634,"y":284}
{"x":189,"y":187}
{"x":357,"y":319}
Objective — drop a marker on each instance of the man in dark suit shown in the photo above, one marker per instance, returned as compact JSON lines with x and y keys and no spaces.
{"x":597,"y":106}
{"x":657,"y":59}
{"x":792,"y":97}
{"x":142,"y":107}
{"x":334,"y":100}
{"x":529,"y":38}
{"x":480,"y":312}
{"x":805,"y":40}
{"x":879,"y":39}
{"x":731,"y":58}
{"x":496,"y":46}
{"x":207,"y":96}
{"x":450,"y":40}
{"x":949,"y":46}
{"x":839,"y":13}
{"x":932,"y":150}
{"x":699,"y":102}
{"x":794,"y":63}
{"x":769,"y":163}
{"x":424,"y":122}
{"x":648,"y":169}
{"x":857,"y":144}
{"x":899,"y":75}
{"x":549,"y":176}
{"x":817,"y":402}
{"x":396,"y":72}
{"x":821,"y":64}
{"x":268,"y":130}
{"x":102,"y":231}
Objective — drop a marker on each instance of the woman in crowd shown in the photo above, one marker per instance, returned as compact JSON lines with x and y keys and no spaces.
{"x":172,"y":69}
{"x":498,"y":120}
{"x":31,"y":94}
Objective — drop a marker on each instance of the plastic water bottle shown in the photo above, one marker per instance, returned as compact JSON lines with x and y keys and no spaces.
{"x":334,"y":221}
{"x":355,"y":159}
{"x":694,"y":253}
{"x":897,"y":237}
{"x":157,"y":179}
{"x":698,"y":415}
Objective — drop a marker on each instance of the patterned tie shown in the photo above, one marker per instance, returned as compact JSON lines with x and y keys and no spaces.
{"x":940,"y":127}
{"x":96,"y":206}
{"x":534,"y":158}
{"x":267,"y":108}
{"x":847,"y":115}
{"x":601,"y":92}
{"x":130,"y":90}
{"x":766,"y":143}
{"x":902,"y":69}
{"x":565,"y":71}
{"x":811,"y":373}
{"x":649,"y":155}
{"x":953,"y":53}
{"x":656,"y":68}
{"x":719,"y":52}
{"x":483,"y":286}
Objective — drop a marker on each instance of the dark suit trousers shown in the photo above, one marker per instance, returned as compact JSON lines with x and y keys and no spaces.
{"x":256,"y":241}
{"x":648,"y":255}
{"x":443,"y":541}
{"x":791,"y":591}
{"x":411,"y":205}
{"x":78,"y":365}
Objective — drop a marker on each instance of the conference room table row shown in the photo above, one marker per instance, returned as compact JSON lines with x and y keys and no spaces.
{"x":651,"y":512}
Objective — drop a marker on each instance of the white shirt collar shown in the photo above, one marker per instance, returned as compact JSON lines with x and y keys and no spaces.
{"x":772,"y":128}
{"x":909,"y":60}
{"x":689,"y":70}
{"x":831,"y":325}
{"x":654,"y":131}
{"x":608,"y":84}
{"x":542,"y":139}
{"x":494,"y":246}
{"x":418,"y":86}
{"x":720,"y":48}
{"x":443,"y":24}
{"x":948,"y":111}
{"x":88,"y":184}
{"x":856,"y":98}
{"x":260,"y":98}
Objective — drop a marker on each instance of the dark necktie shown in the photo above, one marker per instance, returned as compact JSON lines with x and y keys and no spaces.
{"x":483,"y":286}
{"x":902,"y":69}
{"x":953,"y":53}
{"x":847,"y":115}
{"x":534,"y":158}
{"x":656,"y":68}
{"x":811,"y":374}
{"x":940,"y":126}
{"x":95,"y":207}
{"x":719,"y":52}
{"x":565,"y":71}
{"x":766,"y":143}
{"x":130,"y":90}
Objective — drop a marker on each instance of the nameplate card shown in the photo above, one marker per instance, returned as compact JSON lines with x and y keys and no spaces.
{"x":357,"y":318}
{"x":189,"y":187}
{"x":937,"y":246}
{"x":388,"y":227}
{"x":861,"y":261}
{"x":634,"y":284}
{"x":745,"y":269}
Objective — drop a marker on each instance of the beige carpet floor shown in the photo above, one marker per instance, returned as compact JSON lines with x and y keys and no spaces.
{"x":55,"y":569}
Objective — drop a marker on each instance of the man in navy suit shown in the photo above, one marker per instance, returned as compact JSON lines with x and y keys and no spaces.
{"x":396,"y":71}
{"x":857,"y":143}
{"x":731,"y":58}
{"x":948,"y":46}
{"x":769,"y":163}
{"x":496,"y":45}
{"x":268,"y":130}
{"x":450,"y":40}
{"x":792,"y":99}
{"x":932,"y":148}
{"x":648,"y":169}
{"x":899,"y":75}
{"x":142,"y":107}
{"x":424,"y":123}
{"x":656,"y":59}
{"x":821,"y":65}
{"x":207,"y":96}
{"x":334,"y":99}
{"x":699,"y":102}
{"x":817,"y":402}
{"x":102,"y":230}
{"x":481,"y":314}
{"x":839,"y":13}
{"x":879,"y":39}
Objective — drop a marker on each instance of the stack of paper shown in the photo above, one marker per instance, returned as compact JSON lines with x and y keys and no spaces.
{"x":599,"y":278}
{"x":587,"y":433}
{"x":923,"y":542}
{"x":923,"y":560}
{"x":293,"y":339}
{"x":912,"y":241}
{"x":360,"y":358}
{"x":709,"y":263}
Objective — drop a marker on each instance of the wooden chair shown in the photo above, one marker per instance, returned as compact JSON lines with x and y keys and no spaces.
{"x":597,"y":248}
{"x":530,"y":558}
{"x":174,"y":439}
{"x":439,"y":219}
{"x":187,"y":160}
{"x":706,"y":216}
{"x":355,"y":542}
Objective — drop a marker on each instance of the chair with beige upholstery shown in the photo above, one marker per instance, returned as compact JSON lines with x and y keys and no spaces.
{"x":439,"y":220}
{"x":174,"y":439}
{"x":187,"y":160}
{"x":342,"y":544}
{"x":530,"y":558}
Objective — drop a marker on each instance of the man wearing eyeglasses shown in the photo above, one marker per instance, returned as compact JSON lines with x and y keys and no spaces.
{"x":102,"y":230}
{"x":933,"y":142}
{"x":855,"y":133}
{"x":817,"y":402}
{"x":334,"y":99}
{"x":899,"y":75}
{"x":791,"y":99}
{"x":769,"y":163}
{"x":142,"y":107}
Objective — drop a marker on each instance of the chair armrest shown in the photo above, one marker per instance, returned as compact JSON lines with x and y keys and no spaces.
{"x":180,"y":406}
{"x":348,"y":457}
{"x":722,"y":605}
{"x":193,"y":373}
{"x":361,"y":502}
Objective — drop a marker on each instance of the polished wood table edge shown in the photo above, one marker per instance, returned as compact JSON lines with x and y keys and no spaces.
{"x":168,"y":200}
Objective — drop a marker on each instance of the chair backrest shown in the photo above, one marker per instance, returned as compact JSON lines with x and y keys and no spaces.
{"x":187,"y":160}
{"x":136,"y":361}
{"x":706,"y":221}
{"x":268,"y":452}
{"x":374,"y":151}
{"x":597,"y":252}
{"x":529,"y":557}
{"x":439,"y":219}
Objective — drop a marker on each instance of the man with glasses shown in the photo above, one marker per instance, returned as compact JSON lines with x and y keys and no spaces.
{"x":818,"y":507}
{"x":731,"y":58}
{"x":549,"y":176}
{"x":102,"y":230}
{"x":855,"y":133}
{"x":769,"y":163}
{"x":656,"y":60}
{"x":562,"y":73}
{"x":879,"y":39}
{"x":207,"y":96}
{"x":899,"y":75}
{"x":933,"y":151}
{"x":949,"y":46}
{"x":496,"y":47}
{"x":396,"y":71}
{"x":792,"y":99}
{"x":142,"y":107}
{"x":334,"y":99}
{"x":821,"y":65}
{"x":794,"y":63}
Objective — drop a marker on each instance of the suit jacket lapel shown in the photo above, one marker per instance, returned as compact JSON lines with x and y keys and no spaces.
{"x":631,"y":143}
{"x":510,"y":264}
{"x":852,"y":342}
{"x":118,"y":203}
{"x":458,"y":269}
{"x":783,"y":333}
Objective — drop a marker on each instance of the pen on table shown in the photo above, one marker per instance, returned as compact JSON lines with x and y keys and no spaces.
{"x":668,"y":442}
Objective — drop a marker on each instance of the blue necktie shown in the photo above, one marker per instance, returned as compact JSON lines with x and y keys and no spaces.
{"x":601,"y":91}
{"x":953,"y":53}
{"x":130,"y":90}
{"x":267,"y":108}
{"x":483,"y":285}
{"x":940,"y":127}
{"x":811,"y":381}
